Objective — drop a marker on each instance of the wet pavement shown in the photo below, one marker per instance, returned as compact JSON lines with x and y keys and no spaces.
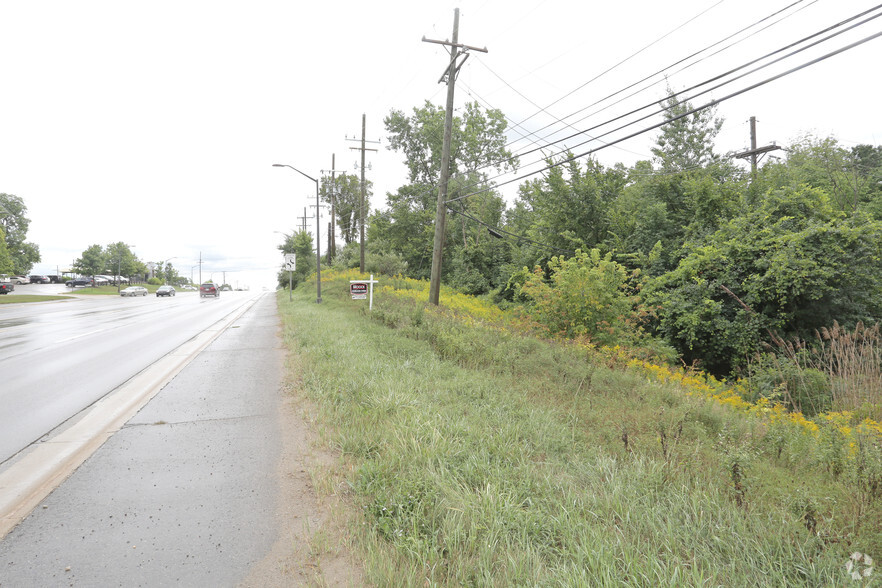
{"x":185,"y":493}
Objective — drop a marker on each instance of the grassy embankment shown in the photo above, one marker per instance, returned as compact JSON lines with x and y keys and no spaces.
{"x":474,"y":455}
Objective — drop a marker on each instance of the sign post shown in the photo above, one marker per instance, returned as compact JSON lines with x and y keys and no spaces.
{"x":290,"y":265}
{"x":361,"y":289}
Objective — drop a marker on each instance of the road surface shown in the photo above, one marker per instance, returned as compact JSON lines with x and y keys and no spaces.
{"x":57,"y":358}
{"x":185,"y":493}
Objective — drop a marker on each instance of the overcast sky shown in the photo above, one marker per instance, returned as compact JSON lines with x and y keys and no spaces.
{"x":157,"y":123}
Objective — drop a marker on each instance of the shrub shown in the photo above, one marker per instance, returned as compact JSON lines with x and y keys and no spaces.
{"x":586,"y":296}
{"x":802,"y":389}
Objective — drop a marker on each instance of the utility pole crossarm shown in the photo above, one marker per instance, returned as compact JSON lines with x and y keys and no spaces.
{"x":757,"y":151}
{"x":458,"y":45}
{"x":754,"y":151}
{"x":454,"y":55}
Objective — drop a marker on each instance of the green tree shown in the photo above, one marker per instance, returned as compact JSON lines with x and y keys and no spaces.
{"x":849,"y":177}
{"x":6,"y":264}
{"x":658,"y":213}
{"x":347,"y":203}
{"x":14,"y":224}
{"x":120,"y":260}
{"x":299,"y":243}
{"x":92,"y":261}
{"x":478,"y":262}
{"x":792,"y":265}
{"x":477,"y":141}
{"x":170,"y":274}
{"x":477,"y":146}
{"x":570,"y":205}
{"x":406,"y":227}
{"x":686,"y":141}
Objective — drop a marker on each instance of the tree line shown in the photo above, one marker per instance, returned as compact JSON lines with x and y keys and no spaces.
{"x":18,"y":256}
{"x":686,"y":253}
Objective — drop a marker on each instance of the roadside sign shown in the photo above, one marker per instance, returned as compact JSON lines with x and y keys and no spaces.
{"x":290,"y":262}
{"x":358,"y":290}
{"x":361,"y":289}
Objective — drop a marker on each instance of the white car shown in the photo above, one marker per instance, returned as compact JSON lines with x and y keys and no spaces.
{"x":133,"y":291}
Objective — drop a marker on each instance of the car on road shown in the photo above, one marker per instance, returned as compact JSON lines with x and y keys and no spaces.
{"x":209,"y":289}
{"x":133,"y":291}
{"x":164,"y":291}
{"x":6,"y":287}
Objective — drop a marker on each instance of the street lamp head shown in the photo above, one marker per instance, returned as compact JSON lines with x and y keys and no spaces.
{"x":278,"y":165}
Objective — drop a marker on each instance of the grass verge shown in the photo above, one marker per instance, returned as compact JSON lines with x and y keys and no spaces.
{"x":23,"y":298}
{"x":476,"y":456}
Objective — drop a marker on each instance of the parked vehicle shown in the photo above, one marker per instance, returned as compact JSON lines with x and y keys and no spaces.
{"x":165,"y":291}
{"x":6,"y":287}
{"x":208,"y":289}
{"x":20,"y":280}
{"x":40,"y":279}
{"x":133,"y":291}
{"x":83,"y":281}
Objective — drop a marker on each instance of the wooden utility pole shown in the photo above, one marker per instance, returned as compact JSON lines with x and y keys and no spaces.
{"x":304,"y":219}
{"x":361,"y":207}
{"x":332,"y":244}
{"x":754,"y":151}
{"x":441,"y":210}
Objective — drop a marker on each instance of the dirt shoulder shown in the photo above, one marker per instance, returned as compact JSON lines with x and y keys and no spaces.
{"x":312,"y":547}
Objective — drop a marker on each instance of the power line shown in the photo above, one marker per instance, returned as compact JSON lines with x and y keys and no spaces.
{"x":659,"y":72}
{"x":710,"y":80}
{"x":687,"y":113}
{"x":497,"y":232}
{"x":625,"y":60}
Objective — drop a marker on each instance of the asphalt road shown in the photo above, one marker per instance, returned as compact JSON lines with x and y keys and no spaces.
{"x":184,"y":494}
{"x":57,"y":358}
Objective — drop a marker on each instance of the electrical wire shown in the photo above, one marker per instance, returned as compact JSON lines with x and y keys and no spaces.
{"x":598,"y":76}
{"x":503,"y":231}
{"x":687,"y":113}
{"x":710,"y":80}
{"x":664,"y":69}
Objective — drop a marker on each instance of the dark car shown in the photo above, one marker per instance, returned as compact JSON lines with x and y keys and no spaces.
{"x":165,"y":291}
{"x":6,"y":287}
{"x":208,"y":289}
{"x":40,"y":280}
{"x":78,"y":282}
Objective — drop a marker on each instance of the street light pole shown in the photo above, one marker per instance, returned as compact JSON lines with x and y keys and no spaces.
{"x":318,"y":241}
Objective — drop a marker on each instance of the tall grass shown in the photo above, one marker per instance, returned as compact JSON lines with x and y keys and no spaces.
{"x":850,"y":366}
{"x":476,"y":455}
